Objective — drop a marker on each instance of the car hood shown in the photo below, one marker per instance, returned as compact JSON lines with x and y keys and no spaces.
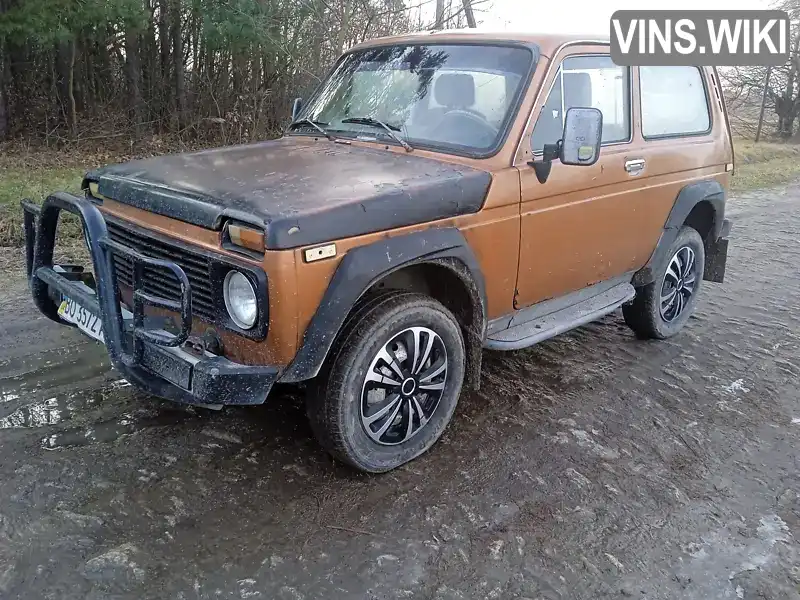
{"x":300,"y":189}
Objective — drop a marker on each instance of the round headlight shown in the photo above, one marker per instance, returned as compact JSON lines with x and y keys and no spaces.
{"x":240,"y":300}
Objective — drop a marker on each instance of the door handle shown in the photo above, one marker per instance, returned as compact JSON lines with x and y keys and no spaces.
{"x":634,"y":165}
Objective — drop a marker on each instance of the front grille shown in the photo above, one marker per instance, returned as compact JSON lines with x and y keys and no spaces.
{"x":161,"y":282}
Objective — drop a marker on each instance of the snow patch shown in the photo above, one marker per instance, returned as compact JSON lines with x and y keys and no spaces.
{"x":222,"y":435}
{"x":615,"y":561}
{"x":585,"y":440}
{"x":8,"y":397}
{"x":384,"y":558}
{"x":496,"y":548}
{"x":773,"y":529}
{"x":119,"y":383}
{"x":578,"y":478}
{"x":736,"y":387}
{"x":112,"y":563}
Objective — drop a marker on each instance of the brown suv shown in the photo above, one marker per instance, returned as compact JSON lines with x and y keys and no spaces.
{"x":439,"y":194}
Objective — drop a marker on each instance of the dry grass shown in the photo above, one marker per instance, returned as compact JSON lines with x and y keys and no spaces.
{"x":33,"y":183}
{"x":34,"y":172}
{"x":765,"y":164}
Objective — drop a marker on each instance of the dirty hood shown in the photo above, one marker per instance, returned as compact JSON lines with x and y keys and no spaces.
{"x":301,"y":190}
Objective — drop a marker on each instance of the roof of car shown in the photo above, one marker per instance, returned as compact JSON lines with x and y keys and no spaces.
{"x":547,"y":42}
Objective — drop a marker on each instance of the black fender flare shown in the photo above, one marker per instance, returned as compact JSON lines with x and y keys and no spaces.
{"x":691,"y":195}
{"x":364,"y":266}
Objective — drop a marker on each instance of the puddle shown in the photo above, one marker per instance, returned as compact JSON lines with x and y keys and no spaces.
{"x":51,"y":411}
{"x":56,"y":409}
{"x":39,"y":414}
{"x":112,"y":430}
{"x":79,"y":406}
{"x":107,"y":431}
{"x":51,"y":369}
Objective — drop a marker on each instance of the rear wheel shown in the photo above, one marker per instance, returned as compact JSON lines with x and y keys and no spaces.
{"x":392,"y":383}
{"x":661,"y":308}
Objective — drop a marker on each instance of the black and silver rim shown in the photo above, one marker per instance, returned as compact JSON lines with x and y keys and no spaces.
{"x":679,"y":284}
{"x":403,"y":386}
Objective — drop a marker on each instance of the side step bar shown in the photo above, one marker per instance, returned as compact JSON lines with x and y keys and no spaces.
{"x":557,"y":322}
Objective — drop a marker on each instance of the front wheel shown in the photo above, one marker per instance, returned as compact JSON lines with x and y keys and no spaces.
{"x":392,"y":383}
{"x":661,"y":308}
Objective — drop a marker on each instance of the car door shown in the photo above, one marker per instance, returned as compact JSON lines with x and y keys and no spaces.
{"x":583,"y":225}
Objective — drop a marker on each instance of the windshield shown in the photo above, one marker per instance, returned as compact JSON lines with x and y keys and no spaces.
{"x":450,"y":97}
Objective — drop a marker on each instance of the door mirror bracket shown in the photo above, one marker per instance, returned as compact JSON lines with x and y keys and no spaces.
{"x":550,"y":152}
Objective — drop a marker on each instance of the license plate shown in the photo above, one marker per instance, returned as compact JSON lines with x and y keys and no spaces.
{"x":88,"y":322}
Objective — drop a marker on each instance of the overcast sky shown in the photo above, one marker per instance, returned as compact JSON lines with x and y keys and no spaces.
{"x":584,"y":16}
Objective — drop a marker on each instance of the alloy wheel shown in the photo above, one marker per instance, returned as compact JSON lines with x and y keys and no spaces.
{"x":679,"y":284}
{"x":403,"y":386}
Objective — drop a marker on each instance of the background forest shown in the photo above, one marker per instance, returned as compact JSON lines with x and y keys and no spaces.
{"x":225,"y":69}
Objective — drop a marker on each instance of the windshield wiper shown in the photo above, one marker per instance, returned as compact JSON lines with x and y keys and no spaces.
{"x":316,"y":125}
{"x":390,"y":129}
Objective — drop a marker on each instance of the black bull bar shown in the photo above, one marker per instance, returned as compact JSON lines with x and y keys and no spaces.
{"x":136,"y":351}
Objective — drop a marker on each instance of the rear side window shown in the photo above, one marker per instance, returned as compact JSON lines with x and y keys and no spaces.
{"x":674,"y":101}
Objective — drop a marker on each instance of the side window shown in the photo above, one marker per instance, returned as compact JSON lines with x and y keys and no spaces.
{"x":586,"y":81}
{"x":673,"y":101}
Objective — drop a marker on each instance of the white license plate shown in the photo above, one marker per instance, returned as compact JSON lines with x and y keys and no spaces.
{"x":88,"y":322}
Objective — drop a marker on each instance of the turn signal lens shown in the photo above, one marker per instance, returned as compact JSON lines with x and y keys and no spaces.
{"x":246,"y":237}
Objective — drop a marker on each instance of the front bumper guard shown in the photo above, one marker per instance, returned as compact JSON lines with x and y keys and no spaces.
{"x":151,"y":359}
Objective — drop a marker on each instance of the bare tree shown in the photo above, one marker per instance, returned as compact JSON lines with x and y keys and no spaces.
{"x":470,"y":14}
{"x":763,"y":104}
{"x":133,"y":72}
{"x":4,"y":120}
{"x":758,"y":97}
{"x":178,"y":64}
{"x":65,"y":81}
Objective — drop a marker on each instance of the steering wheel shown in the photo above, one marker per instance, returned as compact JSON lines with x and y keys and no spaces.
{"x":485,"y":130}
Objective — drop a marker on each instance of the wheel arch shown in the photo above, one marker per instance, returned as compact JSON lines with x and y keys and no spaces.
{"x":700,"y":205}
{"x":702,"y":218}
{"x":438,"y":262}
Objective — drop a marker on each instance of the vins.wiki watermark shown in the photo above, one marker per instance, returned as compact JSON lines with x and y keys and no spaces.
{"x":701,"y":37}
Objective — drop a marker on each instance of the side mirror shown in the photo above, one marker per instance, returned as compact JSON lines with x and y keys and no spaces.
{"x":297,"y":106}
{"x":583,"y":134}
{"x":579,"y":144}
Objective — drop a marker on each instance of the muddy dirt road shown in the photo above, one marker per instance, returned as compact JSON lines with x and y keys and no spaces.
{"x":592,"y":466}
